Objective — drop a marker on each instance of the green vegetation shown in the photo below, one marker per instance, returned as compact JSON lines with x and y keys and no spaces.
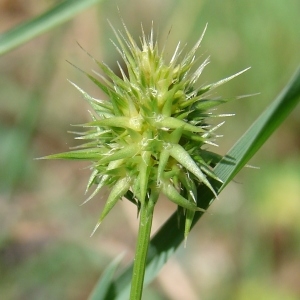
{"x":247,"y":247}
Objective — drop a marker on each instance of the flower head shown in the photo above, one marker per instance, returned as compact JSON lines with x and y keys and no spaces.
{"x":150,"y":136}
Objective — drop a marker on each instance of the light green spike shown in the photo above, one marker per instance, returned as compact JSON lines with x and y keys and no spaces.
{"x":126,"y":152}
{"x":197,"y":45}
{"x":127,"y":55}
{"x":91,"y":179}
{"x":173,"y":123}
{"x":175,"y":136}
{"x":84,"y":154}
{"x":118,"y":191}
{"x":189,"y":185}
{"x":123,"y":122}
{"x":169,"y":190}
{"x":107,"y":89}
{"x":148,"y":136}
{"x":168,"y":102}
{"x":189,"y":216}
{"x":205,"y":104}
{"x":182,"y":156}
{"x":136,"y":136}
{"x":100,"y":185}
{"x":220,"y":82}
{"x":209,"y":172}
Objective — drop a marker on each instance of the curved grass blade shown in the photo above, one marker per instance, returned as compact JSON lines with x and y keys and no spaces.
{"x":55,"y":16}
{"x":169,"y":237}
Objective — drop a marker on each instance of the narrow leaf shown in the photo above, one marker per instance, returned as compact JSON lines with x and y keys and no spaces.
{"x":55,"y":16}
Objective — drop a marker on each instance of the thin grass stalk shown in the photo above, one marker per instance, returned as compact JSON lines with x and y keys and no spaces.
{"x":142,"y":245}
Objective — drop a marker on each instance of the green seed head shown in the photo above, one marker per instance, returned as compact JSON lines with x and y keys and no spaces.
{"x":149,"y":136}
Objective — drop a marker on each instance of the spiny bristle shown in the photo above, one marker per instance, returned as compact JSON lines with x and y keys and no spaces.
{"x":151,"y":133}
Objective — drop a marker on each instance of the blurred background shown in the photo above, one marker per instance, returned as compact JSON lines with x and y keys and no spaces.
{"x":247,"y":246}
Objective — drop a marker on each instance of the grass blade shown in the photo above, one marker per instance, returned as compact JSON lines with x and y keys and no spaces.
{"x":101,"y":288}
{"x":169,"y":237}
{"x":55,"y":16}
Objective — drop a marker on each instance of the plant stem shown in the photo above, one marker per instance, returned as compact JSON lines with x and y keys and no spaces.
{"x":143,"y":239}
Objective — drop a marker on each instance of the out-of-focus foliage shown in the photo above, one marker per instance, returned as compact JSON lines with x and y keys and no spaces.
{"x":250,"y":241}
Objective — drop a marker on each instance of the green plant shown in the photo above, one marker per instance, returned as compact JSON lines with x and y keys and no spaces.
{"x":168,"y":238}
{"x":150,"y":138}
{"x":55,"y":16}
{"x":163,"y":245}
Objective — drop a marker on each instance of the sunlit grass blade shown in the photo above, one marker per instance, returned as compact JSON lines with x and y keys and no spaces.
{"x":169,"y":237}
{"x":55,"y":16}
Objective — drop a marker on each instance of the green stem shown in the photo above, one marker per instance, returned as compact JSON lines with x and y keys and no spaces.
{"x":143,"y":239}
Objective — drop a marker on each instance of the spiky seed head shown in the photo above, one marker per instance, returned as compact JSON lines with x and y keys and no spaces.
{"x":150,"y":135}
